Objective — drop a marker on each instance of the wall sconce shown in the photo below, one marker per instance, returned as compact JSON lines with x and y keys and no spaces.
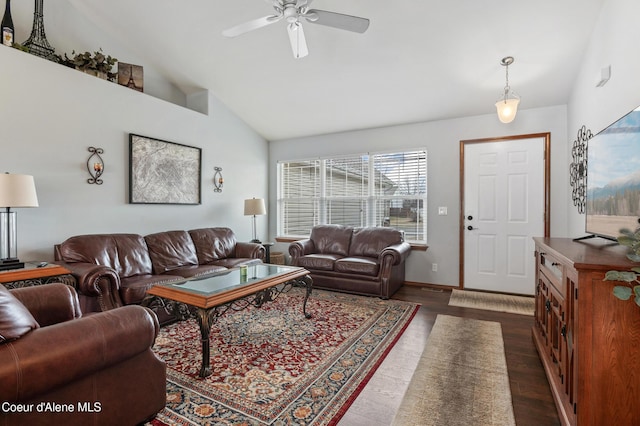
{"x":507,"y":106}
{"x":218,"y":180}
{"x":95,"y":165}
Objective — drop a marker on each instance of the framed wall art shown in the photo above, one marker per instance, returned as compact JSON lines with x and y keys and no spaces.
{"x":131,"y":76}
{"x":162,"y":172}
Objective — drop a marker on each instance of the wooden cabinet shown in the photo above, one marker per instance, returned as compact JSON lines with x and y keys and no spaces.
{"x":588,"y":340}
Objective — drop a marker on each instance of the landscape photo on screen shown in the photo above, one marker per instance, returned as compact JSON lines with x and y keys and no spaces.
{"x":613,"y":177}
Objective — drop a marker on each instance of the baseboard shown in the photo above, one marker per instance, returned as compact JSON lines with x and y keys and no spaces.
{"x":429,"y":285}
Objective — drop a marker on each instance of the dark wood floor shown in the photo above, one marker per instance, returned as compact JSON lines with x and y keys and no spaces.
{"x":532,"y":401}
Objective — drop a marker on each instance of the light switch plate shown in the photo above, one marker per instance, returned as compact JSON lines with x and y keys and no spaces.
{"x":442,"y":211}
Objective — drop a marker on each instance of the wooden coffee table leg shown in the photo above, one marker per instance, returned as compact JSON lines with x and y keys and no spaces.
{"x":205,"y":319}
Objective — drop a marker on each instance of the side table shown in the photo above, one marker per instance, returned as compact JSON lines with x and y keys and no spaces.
{"x":32,"y":275}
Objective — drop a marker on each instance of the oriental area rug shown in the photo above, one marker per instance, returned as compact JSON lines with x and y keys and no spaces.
{"x":272,"y":366}
{"x":461,"y":378}
{"x":522,"y":305}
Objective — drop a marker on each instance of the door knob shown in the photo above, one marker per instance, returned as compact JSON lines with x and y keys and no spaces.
{"x":469,"y":217}
{"x":471,"y":228}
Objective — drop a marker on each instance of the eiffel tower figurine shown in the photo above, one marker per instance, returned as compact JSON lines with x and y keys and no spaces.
{"x":37,"y":41}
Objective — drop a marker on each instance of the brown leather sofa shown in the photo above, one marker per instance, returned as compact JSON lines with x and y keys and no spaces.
{"x":367,"y":261}
{"x":114,"y":270}
{"x":58,"y":367}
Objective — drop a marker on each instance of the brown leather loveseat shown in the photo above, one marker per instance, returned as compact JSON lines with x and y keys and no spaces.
{"x":367,"y":261}
{"x":117,"y":269}
{"x":60,"y":368}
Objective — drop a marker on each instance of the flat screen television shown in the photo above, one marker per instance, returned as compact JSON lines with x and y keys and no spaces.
{"x":613,"y":178}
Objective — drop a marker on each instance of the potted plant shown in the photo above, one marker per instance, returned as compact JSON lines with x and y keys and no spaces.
{"x":630,"y":239}
{"x":96,"y":63}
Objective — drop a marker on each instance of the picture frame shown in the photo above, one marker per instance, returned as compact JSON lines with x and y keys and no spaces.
{"x":162,"y":172}
{"x":131,"y":76}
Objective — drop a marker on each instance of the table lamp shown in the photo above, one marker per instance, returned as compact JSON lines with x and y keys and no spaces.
{"x":15,"y":191}
{"x":254,"y":207}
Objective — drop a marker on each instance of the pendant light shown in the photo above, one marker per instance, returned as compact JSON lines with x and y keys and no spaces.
{"x":507,"y":105}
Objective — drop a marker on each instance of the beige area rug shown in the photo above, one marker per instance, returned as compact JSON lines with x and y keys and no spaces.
{"x":522,"y":305}
{"x":461,"y":378}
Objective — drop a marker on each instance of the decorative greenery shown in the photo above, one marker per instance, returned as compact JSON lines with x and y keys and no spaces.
{"x":87,"y":61}
{"x":630,"y":239}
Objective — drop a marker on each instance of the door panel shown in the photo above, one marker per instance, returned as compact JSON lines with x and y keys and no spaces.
{"x":505,"y":183}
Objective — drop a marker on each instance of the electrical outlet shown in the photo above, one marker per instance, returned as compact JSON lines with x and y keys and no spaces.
{"x":434,"y":267}
{"x":442,"y":211}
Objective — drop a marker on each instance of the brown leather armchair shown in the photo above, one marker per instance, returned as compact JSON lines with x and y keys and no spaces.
{"x":58,"y":367}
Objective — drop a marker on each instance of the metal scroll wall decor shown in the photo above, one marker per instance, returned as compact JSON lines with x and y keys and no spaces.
{"x":578,"y":168}
{"x":95,"y":165}
{"x":218,"y":180}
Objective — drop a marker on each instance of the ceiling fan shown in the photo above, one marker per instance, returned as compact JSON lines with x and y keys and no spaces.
{"x":294,"y":12}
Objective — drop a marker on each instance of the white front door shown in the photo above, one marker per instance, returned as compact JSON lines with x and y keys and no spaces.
{"x":504,"y":208}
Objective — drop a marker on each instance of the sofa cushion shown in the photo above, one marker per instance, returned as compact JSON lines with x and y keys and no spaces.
{"x":369,"y":242}
{"x":171,"y":250}
{"x":213,"y":244}
{"x":15,"y":318}
{"x":333,"y":239}
{"x":127,"y":254}
{"x":318,"y":262}
{"x":133,"y":290}
{"x":358,"y":265}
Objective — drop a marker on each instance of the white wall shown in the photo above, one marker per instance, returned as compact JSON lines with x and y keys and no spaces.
{"x":614,"y":42}
{"x":50,"y":115}
{"x":442,"y":141}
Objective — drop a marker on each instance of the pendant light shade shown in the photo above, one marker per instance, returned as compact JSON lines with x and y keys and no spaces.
{"x":507,"y":108}
{"x":507,"y":105}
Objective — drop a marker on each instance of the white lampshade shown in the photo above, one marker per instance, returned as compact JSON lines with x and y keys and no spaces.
{"x":254,"y":207}
{"x":507,"y":109}
{"x":17,"y":191}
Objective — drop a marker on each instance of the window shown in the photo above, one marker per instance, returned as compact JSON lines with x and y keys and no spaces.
{"x":373,"y":189}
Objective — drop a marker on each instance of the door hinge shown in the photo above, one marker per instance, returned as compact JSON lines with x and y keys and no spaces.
{"x":576,"y":294}
{"x":575,"y":408}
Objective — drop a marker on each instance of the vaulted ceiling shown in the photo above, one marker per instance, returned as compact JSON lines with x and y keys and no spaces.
{"x":418,"y":61}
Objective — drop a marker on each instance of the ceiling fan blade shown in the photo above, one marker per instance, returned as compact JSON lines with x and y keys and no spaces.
{"x":337,"y":20}
{"x":298,"y":42}
{"x":251,"y":25}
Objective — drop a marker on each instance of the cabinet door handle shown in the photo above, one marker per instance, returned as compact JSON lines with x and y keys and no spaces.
{"x":555,"y":264}
{"x":563,"y":331}
{"x":548,"y":305}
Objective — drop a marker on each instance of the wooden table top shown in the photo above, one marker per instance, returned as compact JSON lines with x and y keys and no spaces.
{"x":220,"y":294}
{"x":32,"y":271}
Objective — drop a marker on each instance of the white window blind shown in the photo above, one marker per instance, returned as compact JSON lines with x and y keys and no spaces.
{"x":378,"y":189}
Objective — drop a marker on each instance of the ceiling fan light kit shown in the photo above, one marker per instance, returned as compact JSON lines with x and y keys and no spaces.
{"x":294,"y":12}
{"x":507,"y":105}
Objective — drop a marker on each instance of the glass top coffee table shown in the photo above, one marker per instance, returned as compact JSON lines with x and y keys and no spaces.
{"x":215,"y":294}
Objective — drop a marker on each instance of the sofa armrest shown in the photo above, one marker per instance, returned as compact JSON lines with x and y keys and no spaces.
{"x":50,"y":304}
{"x":398,"y":253}
{"x":250,"y":250}
{"x":74,"y":349}
{"x":300,"y":248}
{"x":98,"y":281}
